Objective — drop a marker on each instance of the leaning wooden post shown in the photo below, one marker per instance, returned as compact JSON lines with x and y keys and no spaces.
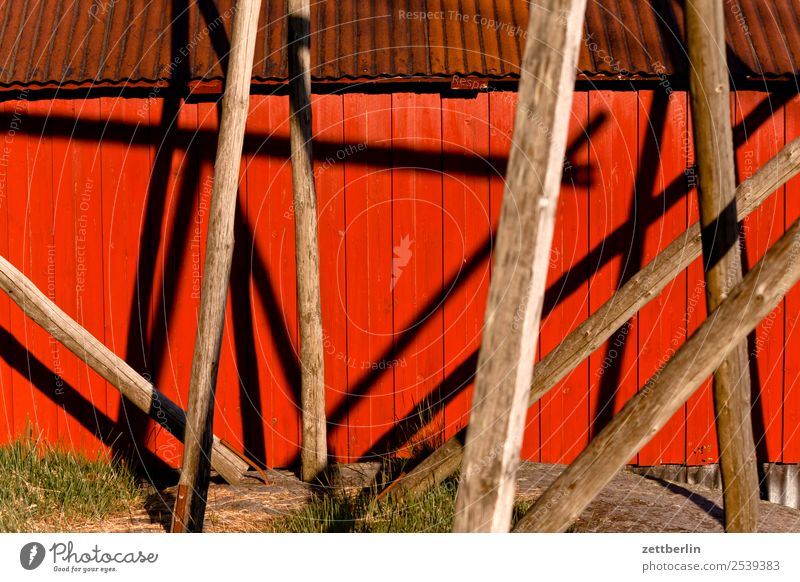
{"x":527,"y":217}
{"x":640,"y":289}
{"x":711,"y":119}
{"x":666,"y":391}
{"x":109,"y":366}
{"x":314,"y":453}
{"x":190,"y":504}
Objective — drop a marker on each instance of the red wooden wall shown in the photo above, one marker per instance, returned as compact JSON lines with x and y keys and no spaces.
{"x":104,"y":204}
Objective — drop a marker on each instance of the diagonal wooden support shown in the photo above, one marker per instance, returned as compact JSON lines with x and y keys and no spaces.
{"x":525,"y":232}
{"x":711,"y":118}
{"x":190,"y":505}
{"x":110,"y":366}
{"x":635,"y":294}
{"x":669,"y":388}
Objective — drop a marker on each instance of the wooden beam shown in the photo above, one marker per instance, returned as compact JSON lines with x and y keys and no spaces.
{"x":314,"y":452}
{"x":667,"y":390}
{"x":107,"y":364}
{"x":713,"y":137}
{"x":525,"y":232}
{"x":635,"y":294}
{"x":193,"y":485}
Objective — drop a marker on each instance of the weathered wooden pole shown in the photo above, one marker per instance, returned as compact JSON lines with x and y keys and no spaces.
{"x":521,"y":257}
{"x":190,"y":504}
{"x":110,"y":366}
{"x":711,"y":119}
{"x":632,"y":296}
{"x":314,"y":452}
{"x":649,"y":410}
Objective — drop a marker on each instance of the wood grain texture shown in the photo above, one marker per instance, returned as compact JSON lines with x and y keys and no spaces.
{"x":521,"y":260}
{"x":314,"y":454}
{"x":711,"y":119}
{"x":217,"y":268}
{"x":667,"y":390}
{"x":636,"y":293}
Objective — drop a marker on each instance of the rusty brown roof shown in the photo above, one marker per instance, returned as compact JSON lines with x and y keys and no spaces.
{"x":57,"y":42}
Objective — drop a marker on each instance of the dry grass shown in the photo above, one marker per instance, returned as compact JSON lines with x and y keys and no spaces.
{"x":43,"y":488}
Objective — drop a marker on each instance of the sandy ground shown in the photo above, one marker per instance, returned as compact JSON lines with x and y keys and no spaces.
{"x":630,"y":503}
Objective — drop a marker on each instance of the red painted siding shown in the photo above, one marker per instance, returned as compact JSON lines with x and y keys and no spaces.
{"x":104,"y":204}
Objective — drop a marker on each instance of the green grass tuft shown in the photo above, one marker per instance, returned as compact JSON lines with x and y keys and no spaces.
{"x":43,"y":487}
{"x":430,"y":513}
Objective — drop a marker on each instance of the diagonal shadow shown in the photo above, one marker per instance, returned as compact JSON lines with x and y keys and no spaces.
{"x":644,"y":181}
{"x":75,"y":404}
{"x":708,"y":506}
{"x":141,"y":340}
{"x":154,"y":217}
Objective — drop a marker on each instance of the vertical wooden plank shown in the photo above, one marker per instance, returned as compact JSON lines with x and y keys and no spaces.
{"x":502,"y":105}
{"x":175,"y":304}
{"x":330,"y":152}
{"x":613,"y":246}
{"x":256,"y":404}
{"x":41,"y":264}
{"x":6,"y":193}
{"x":791,"y":365}
{"x":124,"y":187}
{"x":662,"y":217}
{"x":89,"y":249}
{"x":271,"y":220}
{"x":761,"y":229}
{"x":565,"y":408}
{"x":702,"y":446}
{"x":417,"y":268}
{"x":18,"y":254}
{"x":467,"y":232}
{"x":152,"y":116}
{"x":66,"y":201}
{"x":283,"y":252}
{"x":253,"y":404}
{"x":368,"y":241}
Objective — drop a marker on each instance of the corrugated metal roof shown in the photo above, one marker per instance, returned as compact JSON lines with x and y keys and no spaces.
{"x":55,"y":42}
